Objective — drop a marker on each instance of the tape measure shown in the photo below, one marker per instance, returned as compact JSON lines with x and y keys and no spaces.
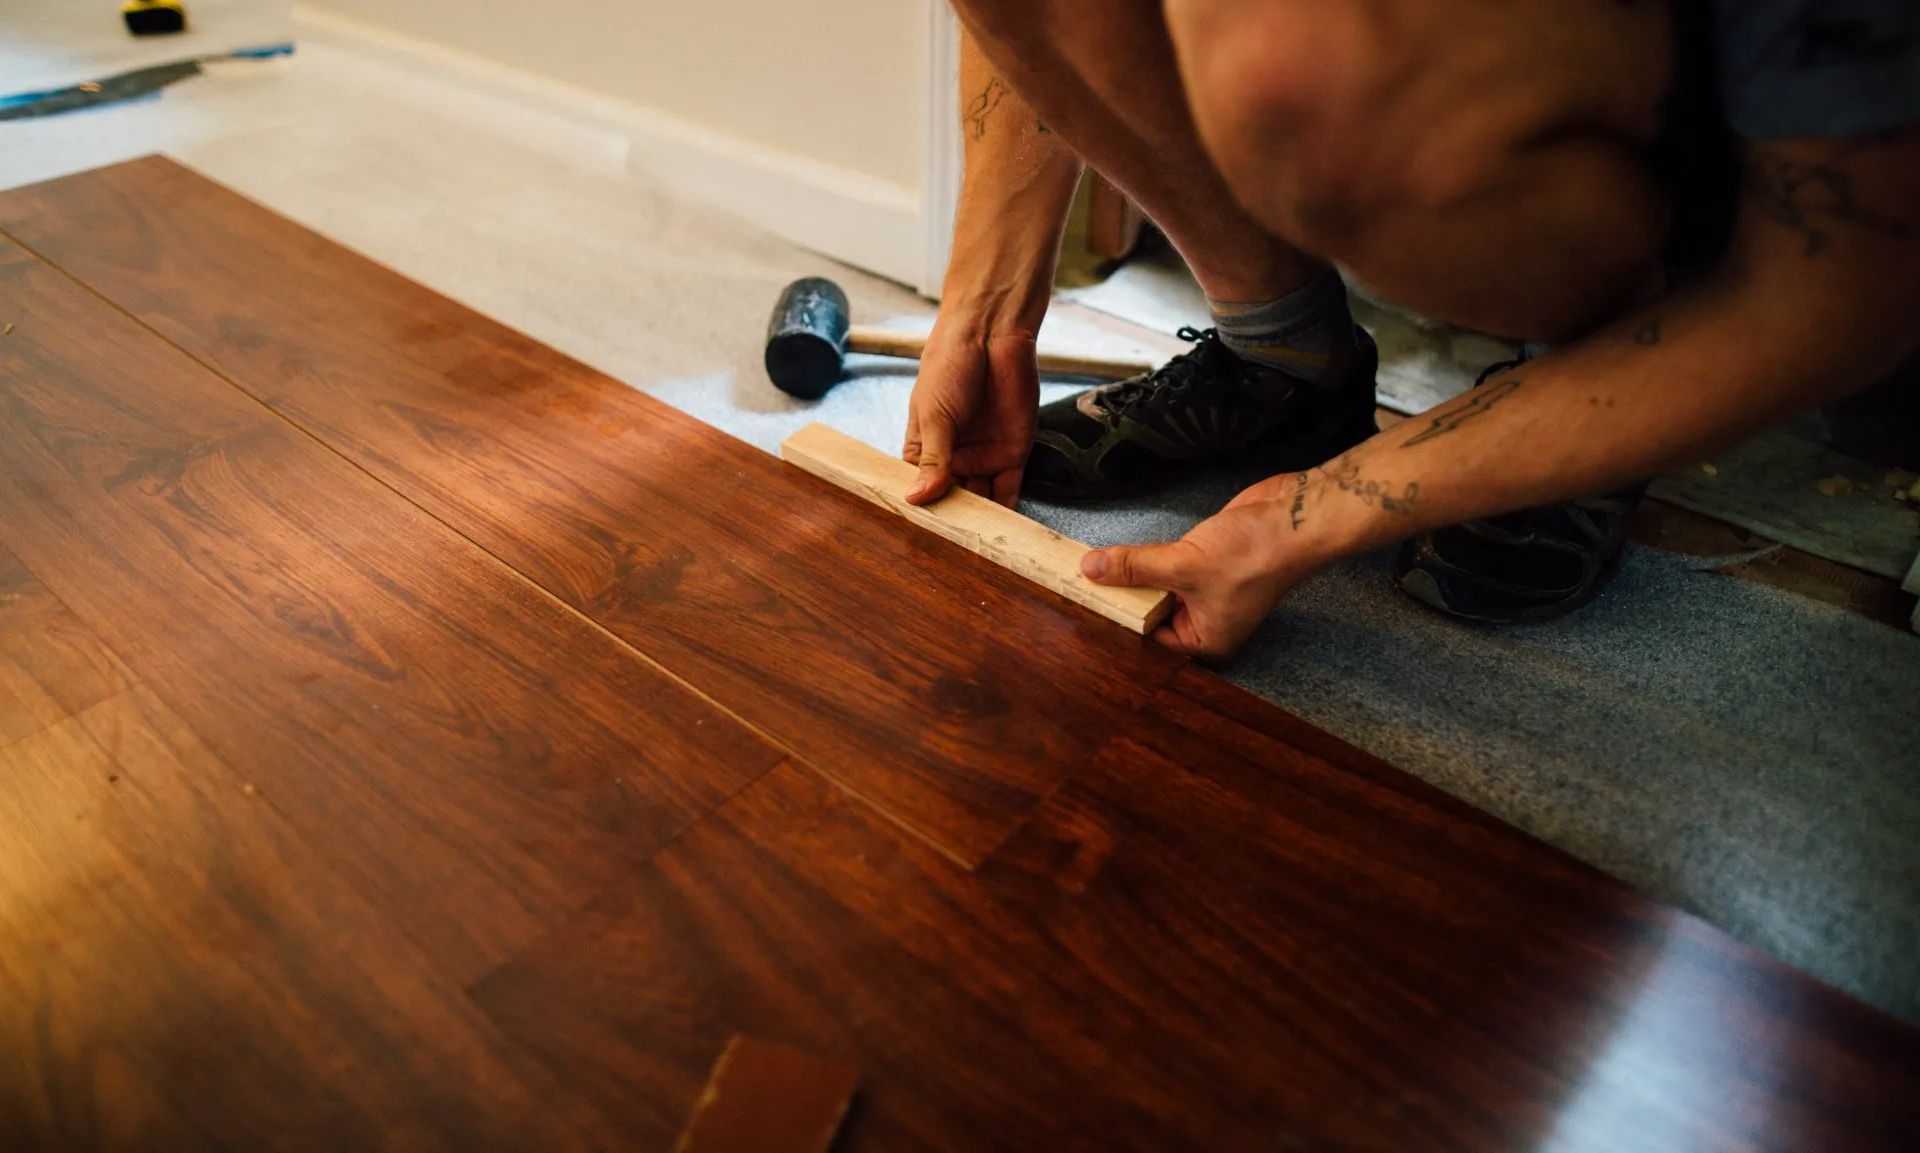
{"x":154,"y":17}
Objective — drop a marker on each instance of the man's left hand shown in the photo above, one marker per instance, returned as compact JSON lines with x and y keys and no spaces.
{"x":1226,"y":574}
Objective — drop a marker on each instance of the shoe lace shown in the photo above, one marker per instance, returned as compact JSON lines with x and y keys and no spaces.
{"x":1169,"y":382}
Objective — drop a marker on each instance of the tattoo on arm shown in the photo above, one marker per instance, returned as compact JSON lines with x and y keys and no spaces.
{"x":1812,"y":199}
{"x":1648,"y":334}
{"x":982,"y":106}
{"x":1478,"y":402}
{"x":1041,"y":127}
{"x":1345,"y":476}
{"x":1298,"y":512}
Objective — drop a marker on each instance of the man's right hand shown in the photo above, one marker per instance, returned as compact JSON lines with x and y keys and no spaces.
{"x":977,"y":400}
{"x":972,"y":415}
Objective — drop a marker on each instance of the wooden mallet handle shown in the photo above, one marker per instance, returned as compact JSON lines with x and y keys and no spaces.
{"x":889,"y":342}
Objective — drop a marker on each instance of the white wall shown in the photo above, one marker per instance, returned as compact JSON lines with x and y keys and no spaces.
{"x":840,"y":82}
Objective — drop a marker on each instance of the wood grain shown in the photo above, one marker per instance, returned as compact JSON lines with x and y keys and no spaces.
{"x":1232,"y":932}
{"x":949,"y":693}
{"x":475,"y":756}
{"x":765,"y":1097}
{"x":51,"y":666}
{"x":180,"y":970}
{"x":974,"y":523}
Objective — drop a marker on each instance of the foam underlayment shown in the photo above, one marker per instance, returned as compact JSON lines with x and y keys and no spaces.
{"x":1743,"y":753}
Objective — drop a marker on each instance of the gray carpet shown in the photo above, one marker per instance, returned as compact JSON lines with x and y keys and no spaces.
{"x":1746,"y":754}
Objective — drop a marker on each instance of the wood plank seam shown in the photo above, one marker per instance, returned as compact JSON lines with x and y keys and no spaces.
{"x":980,"y":526}
{"x":784,"y":747}
{"x":981,"y":749}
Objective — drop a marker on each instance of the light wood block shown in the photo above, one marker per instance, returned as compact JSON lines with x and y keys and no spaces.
{"x":994,"y":531}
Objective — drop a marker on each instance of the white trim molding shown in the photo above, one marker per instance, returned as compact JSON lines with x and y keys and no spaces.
{"x":864,"y":221}
{"x":941,"y":170}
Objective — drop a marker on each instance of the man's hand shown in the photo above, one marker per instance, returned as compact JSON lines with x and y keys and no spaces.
{"x":977,"y":400}
{"x":972,"y":415}
{"x":1227,"y":573}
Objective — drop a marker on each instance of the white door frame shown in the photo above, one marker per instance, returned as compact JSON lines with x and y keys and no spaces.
{"x":942,"y":163}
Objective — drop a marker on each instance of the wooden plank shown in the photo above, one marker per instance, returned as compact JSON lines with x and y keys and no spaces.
{"x":1783,"y":486}
{"x":1674,"y":529}
{"x":1230,"y":932}
{"x":180,"y":970}
{"x":974,"y":523}
{"x":51,"y":666}
{"x":940,"y":687}
{"x":477,"y":756}
{"x":766,"y":1097}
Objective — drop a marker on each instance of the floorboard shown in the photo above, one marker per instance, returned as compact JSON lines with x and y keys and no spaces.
{"x":51,"y":666}
{"x":179,"y":970}
{"x":1230,"y":932}
{"x":476,"y":756}
{"x":927,"y":681}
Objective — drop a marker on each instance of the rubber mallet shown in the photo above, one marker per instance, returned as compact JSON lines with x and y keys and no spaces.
{"x":810,"y":335}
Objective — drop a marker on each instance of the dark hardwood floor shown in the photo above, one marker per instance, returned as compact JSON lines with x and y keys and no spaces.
{"x":410,"y":738}
{"x":947,"y":693}
{"x":473,"y":747}
{"x":1211,"y":938}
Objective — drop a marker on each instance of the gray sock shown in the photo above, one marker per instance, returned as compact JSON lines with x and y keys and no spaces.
{"x":1308,"y":332}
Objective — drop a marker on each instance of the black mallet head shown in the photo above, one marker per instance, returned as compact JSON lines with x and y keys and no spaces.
{"x":807,"y":338}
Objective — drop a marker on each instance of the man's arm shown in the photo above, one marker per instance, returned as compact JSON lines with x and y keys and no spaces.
{"x":973,"y":410}
{"x":1819,"y":295}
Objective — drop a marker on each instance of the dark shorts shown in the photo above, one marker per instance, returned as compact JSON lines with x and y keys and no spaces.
{"x":1774,"y":70}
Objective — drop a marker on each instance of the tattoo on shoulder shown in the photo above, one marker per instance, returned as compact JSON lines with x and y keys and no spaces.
{"x":1345,"y":475}
{"x":1813,"y":199}
{"x":1648,"y":334}
{"x":1478,"y":402}
{"x":982,"y":106}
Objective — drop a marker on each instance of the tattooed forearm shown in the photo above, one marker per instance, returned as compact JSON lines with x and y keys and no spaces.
{"x":1812,"y":199}
{"x":981,"y":107}
{"x":1298,"y":512}
{"x":1345,"y":475}
{"x":1478,"y":402}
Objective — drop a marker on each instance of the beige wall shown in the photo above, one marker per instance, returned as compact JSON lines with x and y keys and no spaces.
{"x":839,"y":81}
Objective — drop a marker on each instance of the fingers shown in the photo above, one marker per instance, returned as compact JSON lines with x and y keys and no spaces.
{"x":1006,"y":488}
{"x":1160,"y":566}
{"x":934,"y":458}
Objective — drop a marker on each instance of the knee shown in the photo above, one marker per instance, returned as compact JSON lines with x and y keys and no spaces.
{"x":1324,"y":118}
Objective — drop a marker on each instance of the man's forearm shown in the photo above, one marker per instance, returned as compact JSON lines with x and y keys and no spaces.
{"x":1018,"y":187}
{"x":1813,"y":302}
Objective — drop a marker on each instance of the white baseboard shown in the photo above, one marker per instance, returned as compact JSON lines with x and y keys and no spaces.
{"x":870,"y":223}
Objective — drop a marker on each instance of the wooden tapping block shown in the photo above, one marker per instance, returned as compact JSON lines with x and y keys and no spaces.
{"x":765,"y":1097}
{"x":994,"y":531}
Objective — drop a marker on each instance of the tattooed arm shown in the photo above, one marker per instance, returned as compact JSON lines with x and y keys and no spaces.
{"x":1818,"y":295}
{"x":972,"y":415}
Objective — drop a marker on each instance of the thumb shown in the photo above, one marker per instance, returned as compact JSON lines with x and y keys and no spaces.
{"x":1160,"y":566}
{"x":936,"y":461}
